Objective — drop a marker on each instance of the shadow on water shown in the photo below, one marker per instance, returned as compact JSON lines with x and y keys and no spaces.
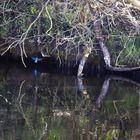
{"x":39,"y":106}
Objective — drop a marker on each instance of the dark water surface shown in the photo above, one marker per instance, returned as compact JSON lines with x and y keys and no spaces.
{"x":47,"y":106}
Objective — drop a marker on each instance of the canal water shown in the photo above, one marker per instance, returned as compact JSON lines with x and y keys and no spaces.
{"x":36,"y":105}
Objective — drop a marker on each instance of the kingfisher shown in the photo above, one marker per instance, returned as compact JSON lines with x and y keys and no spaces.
{"x":36,"y":59}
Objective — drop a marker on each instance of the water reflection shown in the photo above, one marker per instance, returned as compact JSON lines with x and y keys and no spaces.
{"x":56,"y":107}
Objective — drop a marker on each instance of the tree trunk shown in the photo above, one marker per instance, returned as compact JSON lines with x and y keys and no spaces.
{"x":100,"y":39}
{"x":83,"y":61}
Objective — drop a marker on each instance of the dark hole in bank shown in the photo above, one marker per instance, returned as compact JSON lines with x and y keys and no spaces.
{"x":52,"y":65}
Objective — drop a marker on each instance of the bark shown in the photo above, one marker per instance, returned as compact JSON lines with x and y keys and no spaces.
{"x":103,"y":47}
{"x":82,"y":62}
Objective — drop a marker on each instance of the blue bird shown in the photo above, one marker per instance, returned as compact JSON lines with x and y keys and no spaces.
{"x":36,"y":59}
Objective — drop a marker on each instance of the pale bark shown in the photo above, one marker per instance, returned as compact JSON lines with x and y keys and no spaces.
{"x":83,"y":61}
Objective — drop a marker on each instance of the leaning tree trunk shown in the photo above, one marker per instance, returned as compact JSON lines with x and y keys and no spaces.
{"x":83,"y":61}
{"x":88,"y":49}
{"x":100,"y":39}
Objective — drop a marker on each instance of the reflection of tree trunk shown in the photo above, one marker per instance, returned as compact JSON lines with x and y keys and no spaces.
{"x":100,"y":38}
{"x":105,"y":87}
{"x":82,"y":88}
{"x":104,"y":91}
{"x":80,"y":85}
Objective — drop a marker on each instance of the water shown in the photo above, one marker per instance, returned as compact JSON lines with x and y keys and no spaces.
{"x":48,"y":106}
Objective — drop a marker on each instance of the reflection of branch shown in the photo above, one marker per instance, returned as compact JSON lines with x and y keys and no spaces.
{"x":105,"y":87}
{"x":19,"y":98}
{"x":114,"y":104}
{"x":20,"y":108}
{"x":124,"y":79}
{"x":44,"y":133}
{"x":106,"y":83}
{"x":21,"y":111}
